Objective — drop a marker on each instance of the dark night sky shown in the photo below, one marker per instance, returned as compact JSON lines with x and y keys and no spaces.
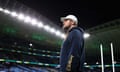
{"x":90,"y":13}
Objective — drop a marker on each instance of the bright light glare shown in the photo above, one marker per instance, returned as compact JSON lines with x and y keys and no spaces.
{"x":86,"y":35}
{"x":6,"y":11}
{"x":21,"y":16}
{"x":52,"y":30}
{"x":58,"y":33}
{"x":85,"y":63}
{"x":97,"y":62}
{"x":30,"y":44}
{"x":27,"y":19}
{"x":46,"y":27}
{"x":14,"y":14}
{"x":33,"y":21}
{"x":1,"y":9}
{"x":40,"y":24}
{"x":63,"y":36}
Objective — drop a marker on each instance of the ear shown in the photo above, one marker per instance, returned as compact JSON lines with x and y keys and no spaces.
{"x":72,"y":23}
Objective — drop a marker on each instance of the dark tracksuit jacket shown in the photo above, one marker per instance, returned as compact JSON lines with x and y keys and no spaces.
{"x":72,"y":51}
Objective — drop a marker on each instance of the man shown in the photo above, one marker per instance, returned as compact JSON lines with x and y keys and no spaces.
{"x":72,"y":51}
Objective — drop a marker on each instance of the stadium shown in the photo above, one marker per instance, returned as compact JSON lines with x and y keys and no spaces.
{"x":31,"y":42}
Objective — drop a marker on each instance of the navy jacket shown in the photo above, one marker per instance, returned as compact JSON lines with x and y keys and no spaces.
{"x":73,"y":46}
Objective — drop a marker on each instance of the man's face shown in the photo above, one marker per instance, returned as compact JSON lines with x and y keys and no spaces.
{"x":67,"y":23}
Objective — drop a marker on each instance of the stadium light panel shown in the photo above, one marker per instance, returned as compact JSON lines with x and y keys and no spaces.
{"x":46,"y":64}
{"x":33,"y":21}
{"x":18,"y":61}
{"x":47,"y":28}
{"x":27,"y":19}
{"x":30,"y":44}
{"x":86,"y":35}
{"x":6,"y":11}
{"x":21,"y":16}
{"x":1,"y":9}
{"x":40,"y":63}
{"x":2,"y":59}
{"x":26,"y":62}
{"x":97,"y":62}
{"x":107,"y":65}
{"x":14,"y":14}
{"x":52,"y":30}
{"x":40,"y":25}
{"x":63,"y":36}
{"x":58,"y":33}
{"x":85,"y":63}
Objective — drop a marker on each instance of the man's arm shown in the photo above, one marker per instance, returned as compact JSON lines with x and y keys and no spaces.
{"x":76,"y":41}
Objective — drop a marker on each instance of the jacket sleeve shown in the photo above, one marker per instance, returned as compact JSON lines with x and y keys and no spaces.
{"x":75,"y":48}
{"x":76,"y":42}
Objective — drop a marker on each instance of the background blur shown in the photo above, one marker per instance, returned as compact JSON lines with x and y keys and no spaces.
{"x":30,"y":41}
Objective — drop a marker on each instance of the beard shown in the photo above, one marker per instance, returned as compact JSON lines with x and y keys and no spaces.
{"x":66,"y":28}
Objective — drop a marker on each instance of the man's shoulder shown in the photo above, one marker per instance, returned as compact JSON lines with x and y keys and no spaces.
{"x":77,"y":29}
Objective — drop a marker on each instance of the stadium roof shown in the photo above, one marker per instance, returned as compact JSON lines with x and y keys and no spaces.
{"x":103,"y":34}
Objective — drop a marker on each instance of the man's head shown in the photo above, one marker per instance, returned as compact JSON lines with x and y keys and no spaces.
{"x":69,"y":21}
